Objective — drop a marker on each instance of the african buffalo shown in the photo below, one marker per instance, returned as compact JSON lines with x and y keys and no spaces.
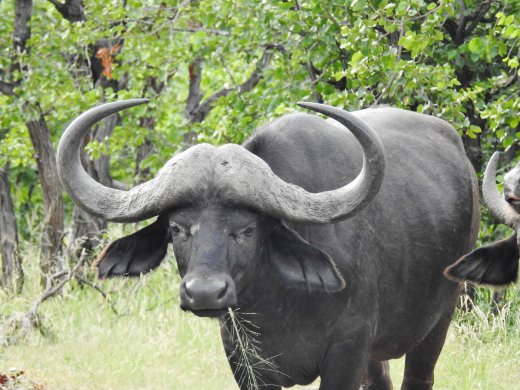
{"x":338,"y":272}
{"x":495,"y":264}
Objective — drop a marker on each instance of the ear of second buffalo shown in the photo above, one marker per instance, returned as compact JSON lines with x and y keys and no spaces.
{"x":300,"y":264}
{"x":135,"y":254}
{"x":495,"y":264}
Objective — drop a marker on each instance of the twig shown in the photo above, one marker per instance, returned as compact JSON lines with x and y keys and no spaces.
{"x":97,"y":288}
{"x":394,"y":75}
{"x":247,"y":351}
{"x":202,"y":110}
{"x":247,"y":363}
{"x":7,"y":88}
{"x":29,"y":320}
{"x":51,"y":291}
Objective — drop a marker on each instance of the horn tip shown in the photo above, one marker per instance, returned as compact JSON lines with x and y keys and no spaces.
{"x":496,"y":155}
{"x":308,"y":105}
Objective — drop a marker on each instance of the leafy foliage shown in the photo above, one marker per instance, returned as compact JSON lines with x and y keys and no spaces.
{"x":458,"y":60}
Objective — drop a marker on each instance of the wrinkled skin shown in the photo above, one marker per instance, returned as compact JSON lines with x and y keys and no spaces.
{"x":337,"y":300}
{"x":495,"y":264}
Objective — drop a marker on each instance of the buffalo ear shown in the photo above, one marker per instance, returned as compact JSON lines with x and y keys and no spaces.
{"x":301,"y":264}
{"x":135,"y":254}
{"x":495,"y":264}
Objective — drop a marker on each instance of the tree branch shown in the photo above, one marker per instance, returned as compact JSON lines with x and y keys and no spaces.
{"x":202,"y":110}
{"x":313,"y":74}
{"x":457,"y":30}
{"x":461,"y":25}
{"x":194,"y":94}
{"x":478,"y":16}
{"x":22,"y":32}
{"x":7,"y":88}
{"x":72,"y":10}
{"x":394,"y":75}
{"x":98,"y":289}
{"x":30,"y":319}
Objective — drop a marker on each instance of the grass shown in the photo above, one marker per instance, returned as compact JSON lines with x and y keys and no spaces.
{"x":152,"y":344}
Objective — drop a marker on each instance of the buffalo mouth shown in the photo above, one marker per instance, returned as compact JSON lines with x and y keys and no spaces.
{"x":211,"y":313}
{"x":513,"y":200}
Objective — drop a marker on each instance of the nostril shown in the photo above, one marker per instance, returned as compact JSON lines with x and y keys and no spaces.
{"x":223,"y":291}
{"x":186,"y":290}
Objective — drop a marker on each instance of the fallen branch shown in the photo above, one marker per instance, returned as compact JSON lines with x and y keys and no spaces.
{"x":30,"y":320}
{"x":98,"y":289}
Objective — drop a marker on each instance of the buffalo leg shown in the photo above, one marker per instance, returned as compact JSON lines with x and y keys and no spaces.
{"x":377,"y":376}
{"x":344,"y":367}
{"x":420,"y":361}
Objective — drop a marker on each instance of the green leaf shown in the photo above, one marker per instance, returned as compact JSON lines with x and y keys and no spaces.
{"x":475,"y":129}
{"x":476,"y":45}
{"x":356,"y":57}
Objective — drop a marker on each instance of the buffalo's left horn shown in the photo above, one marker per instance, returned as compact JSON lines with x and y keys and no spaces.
{"x":261,"y":189}
{"x":496,"y":204}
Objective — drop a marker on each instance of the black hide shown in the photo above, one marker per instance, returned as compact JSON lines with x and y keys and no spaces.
{"x":135,"y":254}
{"x":495,"y":264}
{"x":391,"y":254}
{"x":300,"y":264}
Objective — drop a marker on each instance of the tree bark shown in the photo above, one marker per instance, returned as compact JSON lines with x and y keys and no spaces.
{"x":12,"y":273}
{"x":22,"y":32}
{"x":101,"y":165}
{"x":52,"y":227}
{"x":459,"y":31}
{"x":144,"y":150}
{"x":51,"y":260}
{"x":86,"y":228}
{"x":197,"y":110}
{"x":72,"y":10}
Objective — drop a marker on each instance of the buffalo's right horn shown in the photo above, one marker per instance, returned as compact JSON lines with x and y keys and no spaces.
{"x":141,"y":202}
{"x":499,"y":208}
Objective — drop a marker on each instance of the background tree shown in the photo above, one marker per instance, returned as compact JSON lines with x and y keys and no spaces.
{"x":214,"y":71}
{"x":12,"y":274}
{"x":52,"y":224}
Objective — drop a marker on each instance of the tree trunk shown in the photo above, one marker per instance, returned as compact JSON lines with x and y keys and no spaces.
{"x":144,"y":150}
{"x":86,"y":228}
{"x":102,"y":164}
{"x":86,"y":234}
{"x":12,"y":273}
{"x":51,"y":260}
{"x":52,"y":229}
{"x":473,"y":151}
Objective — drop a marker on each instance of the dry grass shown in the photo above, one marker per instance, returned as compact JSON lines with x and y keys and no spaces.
{"x":152,"y":344}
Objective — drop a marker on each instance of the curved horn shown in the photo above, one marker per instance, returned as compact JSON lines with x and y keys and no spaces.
{"x":141,"y":202}
{"x":499,"y":208}
{"x":283,"y":200}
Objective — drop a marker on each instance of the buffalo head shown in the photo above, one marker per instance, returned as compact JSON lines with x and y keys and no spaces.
{"x":495,"y":264}
{"x":224,"y":211}
{"x":512,"y":188}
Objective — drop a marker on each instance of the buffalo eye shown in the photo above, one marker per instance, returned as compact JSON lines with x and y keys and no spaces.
{"x":175,"y":230}
{"x":249,"y":231}
{"x":246,"y":233}
{"x":178,"y":231}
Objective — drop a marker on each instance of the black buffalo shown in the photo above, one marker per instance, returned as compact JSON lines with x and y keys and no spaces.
{"x":337,"y":249}
{"x":495,"y":264}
